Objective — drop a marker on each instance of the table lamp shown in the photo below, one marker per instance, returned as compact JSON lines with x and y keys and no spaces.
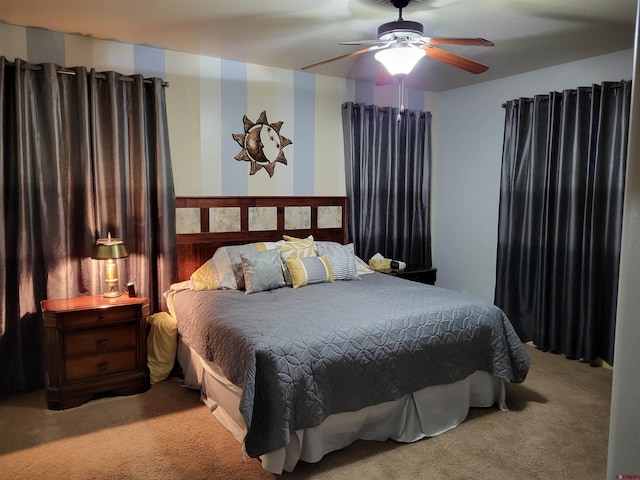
{"x":110,"y":249}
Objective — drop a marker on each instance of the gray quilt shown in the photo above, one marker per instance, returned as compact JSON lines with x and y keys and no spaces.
{"x":303,"y":354}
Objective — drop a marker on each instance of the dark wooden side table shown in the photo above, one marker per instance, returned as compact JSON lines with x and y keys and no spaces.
{"x":415,"y":273}
{"x":95,"y":344}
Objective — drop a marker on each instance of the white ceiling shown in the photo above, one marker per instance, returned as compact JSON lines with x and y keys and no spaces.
{"x":528,"y":34}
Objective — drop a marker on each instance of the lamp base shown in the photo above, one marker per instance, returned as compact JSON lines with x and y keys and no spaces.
{"x":112,"y":289}
{"x":111,"y":294}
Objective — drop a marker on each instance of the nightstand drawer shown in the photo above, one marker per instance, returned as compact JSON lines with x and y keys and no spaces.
{"x":100,"y":340}
{"x":94,"y":366}
{"x":97,"y":316}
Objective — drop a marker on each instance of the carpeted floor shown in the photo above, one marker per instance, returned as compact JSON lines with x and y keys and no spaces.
{"x":557,"y":428}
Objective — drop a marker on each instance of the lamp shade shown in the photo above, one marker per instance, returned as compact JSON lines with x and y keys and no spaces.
{"x":109,"y":248}
{"x":400,"y":60}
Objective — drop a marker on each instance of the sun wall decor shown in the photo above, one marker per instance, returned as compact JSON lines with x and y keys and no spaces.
{"x":261,"y":144}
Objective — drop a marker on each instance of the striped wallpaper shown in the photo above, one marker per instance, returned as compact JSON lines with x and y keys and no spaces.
{"x":206,"y":102}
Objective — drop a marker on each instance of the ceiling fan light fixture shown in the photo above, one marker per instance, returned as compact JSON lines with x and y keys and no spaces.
{"x":399,"y":60}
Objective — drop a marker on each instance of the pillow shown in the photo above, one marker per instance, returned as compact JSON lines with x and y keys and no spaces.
{"x":229,"y":265}
{"x":262,"y":271}
{"x":206,"y":276}
{"x":292,"y":247}
{"x":341,"y":258}
{"x":362,"y":267}
{"x":308,"y":270}
{"x":225,"y":267}
{"x":295,"y":248}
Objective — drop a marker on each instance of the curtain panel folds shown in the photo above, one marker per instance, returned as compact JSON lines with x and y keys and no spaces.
{"x":388,"y":168}
{"x":82,"y":154}
{"x":560,"y":220}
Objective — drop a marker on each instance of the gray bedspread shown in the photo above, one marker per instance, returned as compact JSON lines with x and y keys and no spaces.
{"x":303,"y":354}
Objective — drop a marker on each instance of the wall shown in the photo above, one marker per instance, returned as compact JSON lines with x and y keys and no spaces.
{"x":467,"y":130}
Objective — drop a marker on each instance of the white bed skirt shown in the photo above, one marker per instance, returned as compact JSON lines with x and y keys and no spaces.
{"x":425,"y":413}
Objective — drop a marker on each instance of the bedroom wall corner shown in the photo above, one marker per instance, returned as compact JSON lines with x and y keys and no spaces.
{"x":468,"y":126}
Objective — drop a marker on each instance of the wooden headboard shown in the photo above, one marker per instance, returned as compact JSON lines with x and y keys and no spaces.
{"x":205,"y":223}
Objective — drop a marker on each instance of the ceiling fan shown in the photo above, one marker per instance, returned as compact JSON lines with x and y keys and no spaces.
{"x":401,"y":44}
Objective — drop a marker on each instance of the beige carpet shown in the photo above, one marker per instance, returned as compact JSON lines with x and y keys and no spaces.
{"x":557,"y":428}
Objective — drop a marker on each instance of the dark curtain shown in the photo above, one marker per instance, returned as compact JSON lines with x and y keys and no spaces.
{"x":560,"y":223}
{"x":388,"y":166}
{"x":82,"y":154}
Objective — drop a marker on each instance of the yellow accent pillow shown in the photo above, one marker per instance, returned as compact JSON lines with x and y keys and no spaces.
{"x":309,"y":270}
{"x":295,"y":248}
{"x":206,"y":277}
{"x":292,"y":247}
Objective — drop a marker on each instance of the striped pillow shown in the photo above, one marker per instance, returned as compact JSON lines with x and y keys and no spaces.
{"x":309,"y":270}
{"x":341,"y":258}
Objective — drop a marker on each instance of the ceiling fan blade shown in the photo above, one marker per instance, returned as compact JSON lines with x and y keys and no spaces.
{"x":455,"y":60}
{"x":346,"y":55}
{"x":472,"y":42}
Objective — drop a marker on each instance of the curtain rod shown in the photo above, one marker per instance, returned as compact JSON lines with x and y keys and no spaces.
{"x":572,"y":92}
{"x":122,"y":78}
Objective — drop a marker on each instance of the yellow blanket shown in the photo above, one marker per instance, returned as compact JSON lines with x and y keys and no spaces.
{"x":162,"y":345}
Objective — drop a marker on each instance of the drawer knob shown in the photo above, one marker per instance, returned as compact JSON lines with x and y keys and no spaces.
{"x":102,"y":343}
{"x":102,"y":366}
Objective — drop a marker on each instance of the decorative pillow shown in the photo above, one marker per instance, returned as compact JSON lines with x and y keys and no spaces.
{"x":206,"y":277}
{"x":227,"y":263}
{"x":308,"y":270}
{"x":262,"y":271}
{"x":292,"y":247}
{"x":295,"y":248}
{"x":341,"y":258}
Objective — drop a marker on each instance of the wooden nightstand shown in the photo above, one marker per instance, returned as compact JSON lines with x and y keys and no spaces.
{"x":415,"y":273}
{"x":95,"y":344}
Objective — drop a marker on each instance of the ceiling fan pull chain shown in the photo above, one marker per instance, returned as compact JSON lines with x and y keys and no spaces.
{"x":400,"y":99}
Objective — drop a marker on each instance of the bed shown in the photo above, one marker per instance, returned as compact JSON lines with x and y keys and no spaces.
{"x":329,"y":352}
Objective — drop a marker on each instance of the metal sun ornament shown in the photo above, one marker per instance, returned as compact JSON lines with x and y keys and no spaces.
{"x":261,"y":144}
